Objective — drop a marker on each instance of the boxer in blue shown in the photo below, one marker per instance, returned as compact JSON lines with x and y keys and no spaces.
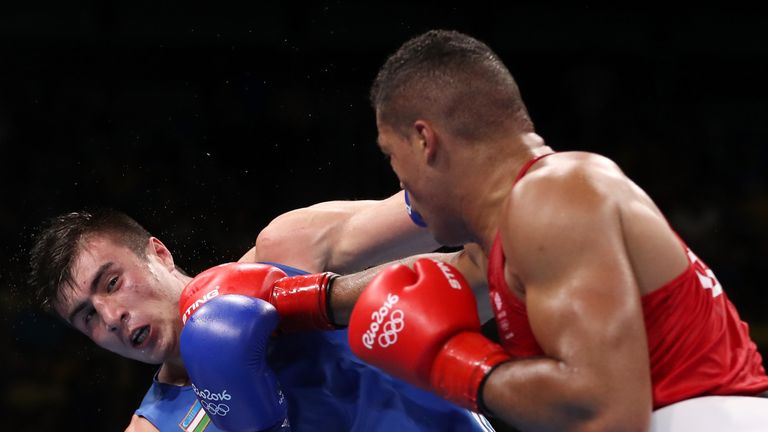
{"x":110,"y":279}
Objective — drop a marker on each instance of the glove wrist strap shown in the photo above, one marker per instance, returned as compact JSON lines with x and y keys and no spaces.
{"x":302,"y":302}
{"x":461,"y":367}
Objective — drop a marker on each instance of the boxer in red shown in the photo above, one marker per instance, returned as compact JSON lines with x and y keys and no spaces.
{"x":604,"y":313}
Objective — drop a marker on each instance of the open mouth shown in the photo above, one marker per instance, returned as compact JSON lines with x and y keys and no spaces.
{"x":139,"y":336}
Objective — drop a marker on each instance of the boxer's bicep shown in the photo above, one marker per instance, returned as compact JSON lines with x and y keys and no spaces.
{"x":298,"y":238}
{"x":566,"y":250}
{"x":342,"y":236}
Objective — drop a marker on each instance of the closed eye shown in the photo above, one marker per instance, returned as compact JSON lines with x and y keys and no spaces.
{"x":89,"y":314}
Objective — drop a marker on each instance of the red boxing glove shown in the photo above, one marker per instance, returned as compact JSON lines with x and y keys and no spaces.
{"x":422,"y":326}
{"x":301,"y":301}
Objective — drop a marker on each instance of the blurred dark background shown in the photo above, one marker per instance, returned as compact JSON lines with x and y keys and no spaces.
{"x":205,"y":122}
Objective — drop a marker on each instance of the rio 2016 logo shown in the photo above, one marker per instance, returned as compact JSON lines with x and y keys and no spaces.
{"x":395,"y":321}
{"x":209,"y":400}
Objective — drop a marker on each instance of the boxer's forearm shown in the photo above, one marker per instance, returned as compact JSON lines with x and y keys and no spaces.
{"x":346,"y":289}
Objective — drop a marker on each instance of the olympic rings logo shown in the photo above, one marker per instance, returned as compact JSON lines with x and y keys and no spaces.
{"x":215,"y":409}
{"x":391,"y":328}
{"x":212,"y":408}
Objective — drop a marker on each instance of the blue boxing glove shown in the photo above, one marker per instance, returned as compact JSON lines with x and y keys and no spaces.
{"x":224,"y":347}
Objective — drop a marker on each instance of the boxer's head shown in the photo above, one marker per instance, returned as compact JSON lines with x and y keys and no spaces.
{"x":441,"y":92}
{"x":109,"y":278}
{"x":450,"y":79}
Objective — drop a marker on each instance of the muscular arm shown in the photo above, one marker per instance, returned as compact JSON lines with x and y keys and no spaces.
{"x":342,"y":236}
{"x":566,"y":252}
{"x":359,"y":236}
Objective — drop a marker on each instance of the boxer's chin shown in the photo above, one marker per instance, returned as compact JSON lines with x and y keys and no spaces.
{"x":156,"y":347}
{"x":447,"y":235}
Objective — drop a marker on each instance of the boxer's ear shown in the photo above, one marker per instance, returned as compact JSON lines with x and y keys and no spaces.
{"x":156,"y":248}
{"x":427,"y":139}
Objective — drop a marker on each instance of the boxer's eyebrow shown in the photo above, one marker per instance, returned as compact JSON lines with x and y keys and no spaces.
{"x":94,"y":286}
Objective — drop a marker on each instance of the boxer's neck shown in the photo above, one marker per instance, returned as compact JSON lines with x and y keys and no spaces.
{"x":173,"y":372}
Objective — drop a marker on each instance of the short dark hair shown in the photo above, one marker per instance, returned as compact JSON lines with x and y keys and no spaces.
{"x":57,"y":244}
{"x":451,"y":76}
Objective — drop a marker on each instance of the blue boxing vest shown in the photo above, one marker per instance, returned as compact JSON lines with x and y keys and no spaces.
{"x":328,"y":389}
